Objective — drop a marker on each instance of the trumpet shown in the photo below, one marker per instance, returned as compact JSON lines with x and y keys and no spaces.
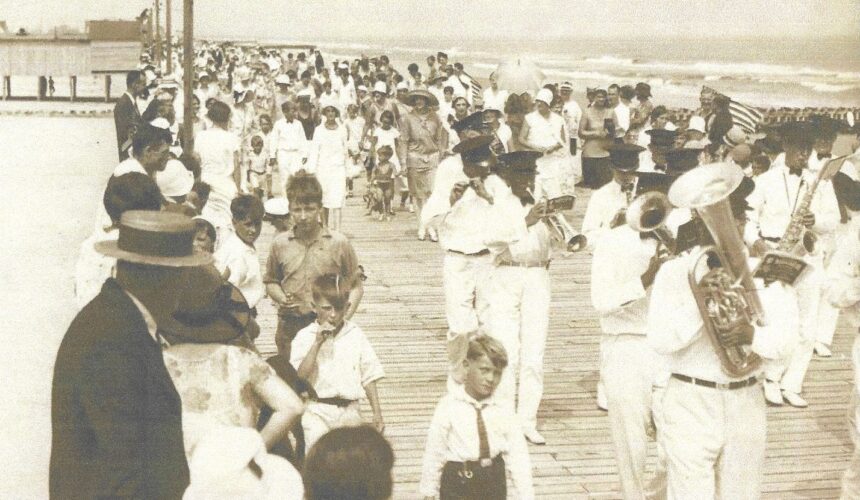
{"x":562,"y":232}
{"x":647,"y":213}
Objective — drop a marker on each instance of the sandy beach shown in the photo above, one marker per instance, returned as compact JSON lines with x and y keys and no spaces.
{"x":52,"y":168}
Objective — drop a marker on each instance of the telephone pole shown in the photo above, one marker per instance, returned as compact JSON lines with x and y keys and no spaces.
{"x":157,"y":35}
{"x":169,"y":36}
{"x":188,"y":72}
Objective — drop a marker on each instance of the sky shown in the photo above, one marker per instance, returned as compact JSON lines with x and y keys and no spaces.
{"x":368,"y":20}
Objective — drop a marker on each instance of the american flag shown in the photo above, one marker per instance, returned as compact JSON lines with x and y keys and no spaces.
{"x":474,"y":88}
{"x":746,"y":117}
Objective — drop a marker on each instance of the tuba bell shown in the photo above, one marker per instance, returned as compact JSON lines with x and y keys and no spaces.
{"x":725,"y":292}
{"x":647,"y":213}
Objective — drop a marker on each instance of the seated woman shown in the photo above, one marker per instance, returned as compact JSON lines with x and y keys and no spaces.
{"x":220,"y":382}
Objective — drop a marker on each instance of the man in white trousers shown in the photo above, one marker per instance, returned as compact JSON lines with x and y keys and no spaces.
{"x":518,"y":287}
{"x":458,"y":207}
{"x":714,"y":424}
{"x":778,"y":194}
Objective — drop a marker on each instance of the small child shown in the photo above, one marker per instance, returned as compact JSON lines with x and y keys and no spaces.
{"x":237,"y":253}
{"x":259,"y":169}
{"x":383,"y":177}
{"x":335,"y":357}
{"x":473,"y":440}
{"x":204,"y":236}
{"x":760,"y":165}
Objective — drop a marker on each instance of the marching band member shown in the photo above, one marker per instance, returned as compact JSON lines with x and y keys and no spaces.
{"x":459,"y":204}
{"x":662,"y":141}
{"x":622,"y":272}
{"x":828,"y":316}
{"x":844,"y":292}
{"x":606,"y":206}
{"x":714,"y":424}
{"x":778,"y":194}
{"x":518,"y":287}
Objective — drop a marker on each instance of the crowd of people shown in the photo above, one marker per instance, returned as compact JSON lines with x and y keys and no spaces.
{"x":720,"y":262}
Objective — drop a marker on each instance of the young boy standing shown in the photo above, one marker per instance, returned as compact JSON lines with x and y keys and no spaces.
{"x":383,"y":177}
{"x":259,"y":170}
{"x":237,"y":252}
{"x":336,"y":358}
{"x":472,"y":440}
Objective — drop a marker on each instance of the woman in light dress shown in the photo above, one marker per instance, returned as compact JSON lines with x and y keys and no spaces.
{"x":219,"y":151}
{"x":544,"y":131}
{"x":327,"y":158}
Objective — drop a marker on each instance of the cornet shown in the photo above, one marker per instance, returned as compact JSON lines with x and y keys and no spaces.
{"x":562,"y":232}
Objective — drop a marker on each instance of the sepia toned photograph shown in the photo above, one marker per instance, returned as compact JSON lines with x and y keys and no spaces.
{"x":442,"y":249}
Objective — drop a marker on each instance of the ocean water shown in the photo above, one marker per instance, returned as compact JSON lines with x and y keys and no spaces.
{"x":759,"y":72}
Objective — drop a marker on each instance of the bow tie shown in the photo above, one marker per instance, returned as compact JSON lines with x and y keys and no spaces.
{"x":660,"y":168}
{"x":822,"y":156}
{"x":796,"y":171}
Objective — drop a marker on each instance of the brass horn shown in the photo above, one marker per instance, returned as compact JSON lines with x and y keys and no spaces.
{"x":648,"y":213}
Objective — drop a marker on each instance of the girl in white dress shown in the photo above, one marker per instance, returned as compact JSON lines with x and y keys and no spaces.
{"x":328,"y":155}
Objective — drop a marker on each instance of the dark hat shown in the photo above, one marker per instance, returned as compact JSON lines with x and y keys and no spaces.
{"x":476,"y":155}
{"x":520,"y":162}
{"x":847,"y":191}
{"x":209,"y":310}
{"x":661,"y":138}
{"x":797,"y":134}
{"x":643,"y":88}
{"x":769,"y":144}
{"x":653,"y":181}
{"x":155,"y":238}
{"x":475,"y":121}
{"x":624,"y":157}
{"x":431,"y":99}
{"x":679,"y":160}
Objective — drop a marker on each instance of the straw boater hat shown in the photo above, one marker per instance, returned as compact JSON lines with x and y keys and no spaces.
{"x":431,"y":99}
{"x":155,"y":238}
{"x":210,"y":310}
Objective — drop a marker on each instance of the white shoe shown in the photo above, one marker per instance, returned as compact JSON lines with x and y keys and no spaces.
{"x":533,"y":436}
{"x":794,"y":399}
{"x":432,"y":234}
{"x":602,"y":405}
{"x":772,"y":394}
{"x":381,"y":216}
{"x":822,"y":350}
{"x":411,"y":208}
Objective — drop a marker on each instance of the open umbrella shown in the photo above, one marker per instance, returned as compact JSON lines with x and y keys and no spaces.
{"x":519,"y":75}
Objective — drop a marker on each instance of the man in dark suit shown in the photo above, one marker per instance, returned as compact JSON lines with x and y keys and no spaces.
{"x":126,"y":116}
{"x":116,"y":416}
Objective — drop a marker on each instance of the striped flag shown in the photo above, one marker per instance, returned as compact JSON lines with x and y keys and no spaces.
{"x":746,"y":117}
{"x":473,"y":88}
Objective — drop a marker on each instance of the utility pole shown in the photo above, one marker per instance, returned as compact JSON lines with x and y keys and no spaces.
{"x":188,"y":72}
{"x":157,"y":35}
{"x":169,"y":36}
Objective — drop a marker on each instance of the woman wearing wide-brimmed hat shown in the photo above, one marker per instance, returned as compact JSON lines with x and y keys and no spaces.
{"x":219,"y":381}
{"x":327,"y":158}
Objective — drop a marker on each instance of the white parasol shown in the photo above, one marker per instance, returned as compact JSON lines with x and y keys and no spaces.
{"x":519,"y":75}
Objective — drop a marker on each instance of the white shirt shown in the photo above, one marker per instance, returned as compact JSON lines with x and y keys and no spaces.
{"x":507,"y":235}
{"x":93,"y":268}
{"x":572,"y":113}
{"x":148,"y":319}
{"x":459,"y":225}
{"x":675,"y":324}
{"x":453,"y":437}
{"x":345,"y":364}
{"x":843,"y":283}
{"x":775,"y":197}
{"x":622,"y":115}
{"x":289,"y":136}
{"x":617,"y":294}
{"x":495,"y":99}
{"x":244,"y":266}
{"x":216,"y":147}
{"x":504,"y":134}
{"x":607,"y":201}
{"x":545,"y":132}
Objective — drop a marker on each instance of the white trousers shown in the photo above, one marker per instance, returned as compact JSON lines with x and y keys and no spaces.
{"x":714,"y":441}
{"x":790,"y":372}
{"x":289,"y":162}
{"x":463,"y":280}
{"x":319,"y":418}
{"x":518,"y":317}
{"x":851,"y":478}
{"x":628,"y":369}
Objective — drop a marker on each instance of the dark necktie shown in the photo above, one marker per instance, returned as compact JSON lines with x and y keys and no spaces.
{"x":660,"y":168}
{"x":822,"y":156}
{"x":483,"y":440}
{"x":795,"y":171}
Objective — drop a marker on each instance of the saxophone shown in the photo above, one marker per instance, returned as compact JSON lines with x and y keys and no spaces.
{"x":725,"y":293}
{"x":797,"y":239}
